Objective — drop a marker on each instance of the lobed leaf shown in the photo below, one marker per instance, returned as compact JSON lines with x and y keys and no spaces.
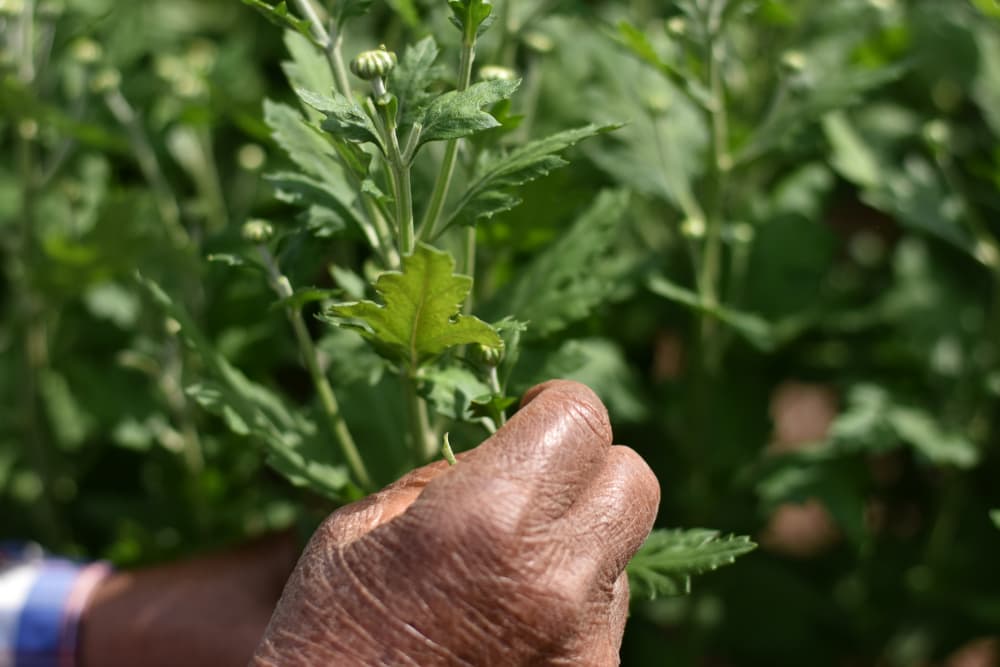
{"x":472,"y":17}
{"x":458,"y":114}
{"x":344,"y":118}
{"x":665,"y":563}
{"x":574,"y":275}
{"x":420,"y":317}
{"x":348,"y":9}
{"x":413,"y":78}
{"x":489,"y":193}
{"x":280,"y":16}
{"x":295,"y":447}
{"x":875,"y":422}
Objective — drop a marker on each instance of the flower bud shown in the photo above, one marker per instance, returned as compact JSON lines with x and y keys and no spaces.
{"x":693,"y":228}
{"x":86,"y":51}
{"x":539,"y":42}
{"x":257,"y":231}
{"x":11,"y":7}
{"x":106,"y":80}
{"x":376,"y":63}
{"x":490,"y":356}
{"x":496,"y":73}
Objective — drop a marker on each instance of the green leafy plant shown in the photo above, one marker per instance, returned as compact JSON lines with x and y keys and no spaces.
{"x":778,"y":226}
{"x":358,"y":154}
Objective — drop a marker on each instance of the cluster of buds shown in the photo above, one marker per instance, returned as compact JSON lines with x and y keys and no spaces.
{"x":374,"y":66}
{"x":257,"y":231}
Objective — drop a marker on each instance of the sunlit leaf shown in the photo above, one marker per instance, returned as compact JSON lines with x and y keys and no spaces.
{"x":419,"y":318}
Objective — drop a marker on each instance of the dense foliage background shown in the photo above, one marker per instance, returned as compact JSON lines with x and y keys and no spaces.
{"x":820,"y":246}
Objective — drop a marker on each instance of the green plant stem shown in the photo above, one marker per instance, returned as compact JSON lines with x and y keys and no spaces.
{"x":494,"y":381}
{"x":399,"y":171}
{"x":719,"y":164}
{"x":432,"y":216}
{"x":149,"y":165}
{"x":31,"y":310}
{"x":310,"y":357}
{"x":424,"y":445}
{"x":330,"y":43}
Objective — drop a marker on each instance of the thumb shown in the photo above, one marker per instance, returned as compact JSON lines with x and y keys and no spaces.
{"x":354,"y":521}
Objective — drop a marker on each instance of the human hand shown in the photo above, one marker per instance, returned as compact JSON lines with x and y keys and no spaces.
{"x":513,"y":557}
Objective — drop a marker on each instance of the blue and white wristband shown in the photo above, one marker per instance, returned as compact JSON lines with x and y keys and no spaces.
{"x":41,"y":602}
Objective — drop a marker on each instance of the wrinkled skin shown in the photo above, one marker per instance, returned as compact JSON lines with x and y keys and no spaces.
{"x":513,"y":557}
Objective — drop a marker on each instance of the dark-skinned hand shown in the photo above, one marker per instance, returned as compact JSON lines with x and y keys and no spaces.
{"x":515,"y":556}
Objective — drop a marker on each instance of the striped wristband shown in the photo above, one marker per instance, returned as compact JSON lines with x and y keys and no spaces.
{"x":41,"y":601}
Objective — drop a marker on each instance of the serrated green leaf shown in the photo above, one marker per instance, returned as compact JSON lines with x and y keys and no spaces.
{"x":352,"y":360}
{"x":308,"y":69}
{"x":472,"y":17}
{"x":420,"y":317}
{"x":852,"y":156}
{"x":489,"y":193}
{"x":304,"y":144}
{"x":458,"y":114}
{"x":667,"y":560}
{"x":574,"y":275}
{"x":413,"y":78}
{"x":295,"y":447}
{"x":348,"y":9}
{"x":874,"y":422}
{"x":838,"y":90}
{"x":986,"y":87}
{"x":407,"y":11}
{"x":306,"y":295}
{"x":754,"y":328}
{"x":344,"y":119}
{"x":638,"y":44}
{"x":303,"y":191}
{"x":280,"y":16}
{"x":451,"y":390}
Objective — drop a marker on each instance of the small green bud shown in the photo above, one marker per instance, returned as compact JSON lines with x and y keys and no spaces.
{"x":251,"y":157}
{"x":693,"y":228}
{"x":11,"y":7}
{"x":793,"y":61}
{"x":743,"y":233}
{"x":376,"y":63}
{"x":490,"y":356}
{"x":937,"y":133}
{"x":539,"y":42}
{"x":106,"y":80}
{"x":257,"y":231}
{"x":27,"y":128}
{"x":657,"y":103}
{"x":496,"y":73}
{"x":677,"y":26}
{"x":86,"y":51}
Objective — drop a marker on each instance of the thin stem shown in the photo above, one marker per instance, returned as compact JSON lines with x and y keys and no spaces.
{"x":22,"y":262}
{"x":149,"y":165}
{"x":335,"y":57}
{"x":497,"y":390}
{"x":719,"y":165}
{"x":399,"y":175}
{"x":432,"y":216}
{"x":424,"y":445}
{"x":309,"y":11}
{"x":310,"y":357}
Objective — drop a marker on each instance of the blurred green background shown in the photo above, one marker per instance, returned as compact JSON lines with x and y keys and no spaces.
{"x":841,"y":405}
